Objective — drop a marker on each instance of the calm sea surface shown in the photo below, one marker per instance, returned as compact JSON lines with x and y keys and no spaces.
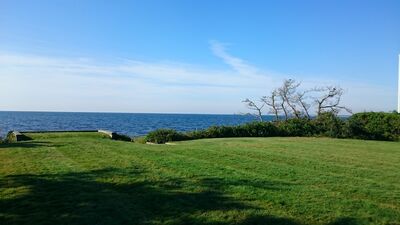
{"x":133,"y":124}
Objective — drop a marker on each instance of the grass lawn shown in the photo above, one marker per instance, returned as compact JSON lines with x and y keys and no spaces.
{"x":84,"y":178}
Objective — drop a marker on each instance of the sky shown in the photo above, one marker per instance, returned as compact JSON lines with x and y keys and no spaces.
{"x":172,"y":56}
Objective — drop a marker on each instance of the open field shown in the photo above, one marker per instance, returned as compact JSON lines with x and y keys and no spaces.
{"x":84,"y":178}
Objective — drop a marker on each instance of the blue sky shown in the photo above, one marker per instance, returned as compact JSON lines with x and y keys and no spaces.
{"x":193,"y":56}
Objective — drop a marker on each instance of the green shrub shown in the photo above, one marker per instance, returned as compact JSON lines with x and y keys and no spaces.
{"x":198,"y":134}
{"x":296,"y":127}
{"x":254,"y":129}
{"x":328,"y":124}
{"x":161,"y":136}
{"x":377,"y":126}
{"x":211,"y":132}
{"x":121,"y":137}
{"x":374,"y":126}
{"x":257,"y":129}
{"x":218,"y":132}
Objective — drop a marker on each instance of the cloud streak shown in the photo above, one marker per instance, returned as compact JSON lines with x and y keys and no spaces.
{"x":237,"y":64}
{"x":76,"y":84}
{"x":152,"y":72}
{"x":32,"y":82}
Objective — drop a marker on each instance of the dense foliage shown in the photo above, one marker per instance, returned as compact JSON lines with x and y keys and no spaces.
{"x":371,"y":125}
{"x":295,"y":127}
{"x":374,"y":126}
{"x":121,"y":137}
{"x":329,"y":125}
{"x":161,"y":136}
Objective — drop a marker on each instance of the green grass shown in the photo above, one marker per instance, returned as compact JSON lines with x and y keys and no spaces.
{"x":84,"y":178}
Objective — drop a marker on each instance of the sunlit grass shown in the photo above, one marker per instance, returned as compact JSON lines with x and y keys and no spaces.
{"x":84,"y":178}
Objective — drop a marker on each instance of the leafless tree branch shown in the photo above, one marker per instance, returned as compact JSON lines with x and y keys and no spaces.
{"x":330,"y":100}
{"x":253,"y":106}
{"x":272,"y":102}
{"x":287,"y":91}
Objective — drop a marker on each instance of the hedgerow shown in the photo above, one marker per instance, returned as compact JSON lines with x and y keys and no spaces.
{"x":371,"y":125}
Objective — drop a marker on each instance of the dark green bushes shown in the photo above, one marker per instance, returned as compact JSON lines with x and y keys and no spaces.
{"x":162,"y":136}
{"x":374,"y":126}
{"x":296,"y":127}
{"x":121,"y":137}
{"x":212,"y":132}
{"x":257,"y":129}
{"x":329,"y":125}
{"x":254,"y":129}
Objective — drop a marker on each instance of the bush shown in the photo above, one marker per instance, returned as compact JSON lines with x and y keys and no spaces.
{"x":254,"y":129}
{"x":257,"y":129}
{"x":377,"y":126}
{"x":219,"y":132}
{"x":198,"y":134}
{"x":296,"y":127}
{"x":162,"y":136}
{"x":121,"y":137}
{"x":211,"y":132}
{"x":328,"y":124}
{"x":374,"y":126}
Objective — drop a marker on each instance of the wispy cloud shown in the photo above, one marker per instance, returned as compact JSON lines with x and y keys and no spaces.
{"x":50,"y":83}
{"x":239,"y":65}
{"x":151,"y":72}
{"x":32,"y":82}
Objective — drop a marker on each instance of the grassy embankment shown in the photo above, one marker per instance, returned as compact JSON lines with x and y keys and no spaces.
{"x":82,"y":178}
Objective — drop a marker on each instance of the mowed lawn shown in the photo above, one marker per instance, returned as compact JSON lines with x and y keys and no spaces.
{"x":84,"y":178}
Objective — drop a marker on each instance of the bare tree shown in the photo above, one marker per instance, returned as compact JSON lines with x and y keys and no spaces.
{"x":330,"y":100}
{"x":272,"y":102}
{"x":283,"y":107}
{"x":287,"y":92}
{"x":301,"y":98}
{"x":253,"y":106}
{"x":293,"y":101}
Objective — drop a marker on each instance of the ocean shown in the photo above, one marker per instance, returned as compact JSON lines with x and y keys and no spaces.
{"x":132,"y":124}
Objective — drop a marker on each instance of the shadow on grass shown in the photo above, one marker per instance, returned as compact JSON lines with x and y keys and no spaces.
{"x":346,"y":221}
{"x":107,"y":197}
{"x":29,"y":144}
